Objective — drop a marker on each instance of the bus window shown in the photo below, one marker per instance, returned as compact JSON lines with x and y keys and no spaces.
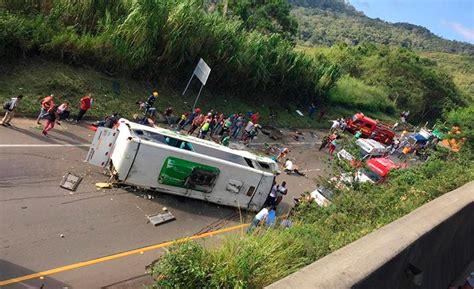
{"x":186,"y":146}
{"x":249,"y":162}
{"x":264,"y":165}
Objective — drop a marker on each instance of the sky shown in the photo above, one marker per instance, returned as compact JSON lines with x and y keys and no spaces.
{"x":450,"y":19}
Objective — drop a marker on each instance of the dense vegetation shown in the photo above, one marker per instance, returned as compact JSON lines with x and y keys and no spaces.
{"x":163,"y":38}
{"x":460,"y":67}
{"x":328,"y":22}
{"x":382,"y":78}
{"x":247,"y":46}
{"x":253,"y":261}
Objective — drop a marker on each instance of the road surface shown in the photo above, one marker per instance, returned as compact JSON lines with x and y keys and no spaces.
{"x":43,"y":226}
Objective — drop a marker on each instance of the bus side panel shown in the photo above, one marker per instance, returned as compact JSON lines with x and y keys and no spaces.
{"x":234,"y":186}
{"x":262,"y":192}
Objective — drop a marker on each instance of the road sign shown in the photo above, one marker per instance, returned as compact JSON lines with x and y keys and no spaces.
{"x":202,"y":71}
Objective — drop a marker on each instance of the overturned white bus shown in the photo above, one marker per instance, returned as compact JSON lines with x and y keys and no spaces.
{"x":166,"y":161}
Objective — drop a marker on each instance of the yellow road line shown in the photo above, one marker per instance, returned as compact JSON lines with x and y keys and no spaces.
{"x":116,"y":256}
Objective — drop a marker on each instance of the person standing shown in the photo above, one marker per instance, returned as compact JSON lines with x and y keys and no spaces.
{"x":204,"y":129}
{"x":197,"y":121}
{"x":335,"y":125}
{"x":324,"y":142}
{"x":46,"y":104}
{"x":282,"y":191}
{"x":332,"y":145}
{"x":255,"y":117}
{"x":191,"y":117}
{"x":169,"y":115}
{"x":247,"y":130}
{"x":238,"y":126}
{"x":10,"y":107}
{"x":86,"y":103}
{"x":312,"y":110}
{"x":51,"y":118}
{"x":272,"y":197}
{"x":261,"y":216}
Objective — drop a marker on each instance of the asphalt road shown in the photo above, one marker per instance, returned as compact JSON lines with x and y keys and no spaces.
{"x":35,"y":212}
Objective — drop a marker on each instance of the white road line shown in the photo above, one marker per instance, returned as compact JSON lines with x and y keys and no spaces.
{"x":41,"y":145}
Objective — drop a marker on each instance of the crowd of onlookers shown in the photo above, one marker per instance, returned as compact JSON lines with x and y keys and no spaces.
{"x":212,"y":125}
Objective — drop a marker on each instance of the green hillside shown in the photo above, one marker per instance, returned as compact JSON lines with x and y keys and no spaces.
{"x":327,"y":22}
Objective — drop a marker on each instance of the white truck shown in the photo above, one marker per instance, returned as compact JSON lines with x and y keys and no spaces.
{"x":169,"y":162}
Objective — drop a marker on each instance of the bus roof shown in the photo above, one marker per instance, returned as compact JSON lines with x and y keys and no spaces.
{"x":192,"y":139}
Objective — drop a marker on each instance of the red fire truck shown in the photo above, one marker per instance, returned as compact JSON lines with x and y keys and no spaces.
{"x":370,"y":128}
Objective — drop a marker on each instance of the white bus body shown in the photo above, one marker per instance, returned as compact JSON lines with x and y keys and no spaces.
{"x":166,"y":161}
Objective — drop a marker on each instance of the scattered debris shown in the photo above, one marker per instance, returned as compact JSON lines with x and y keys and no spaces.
{"x":158,"y":219}
{"x":70,"y":182}
{"x":103,"y":185}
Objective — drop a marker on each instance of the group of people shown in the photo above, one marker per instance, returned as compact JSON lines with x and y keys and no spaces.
{"x":267,"y":214}
{"x":49,"y":110}
{"x":53,"y":113}
{"x":217,"y":125}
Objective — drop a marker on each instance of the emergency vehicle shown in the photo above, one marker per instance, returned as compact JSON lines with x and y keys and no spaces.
{"x":370,"y":128}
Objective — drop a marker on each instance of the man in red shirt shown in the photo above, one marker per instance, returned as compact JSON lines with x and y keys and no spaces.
{"x":86,"y":103}
{"x":46,"y":104}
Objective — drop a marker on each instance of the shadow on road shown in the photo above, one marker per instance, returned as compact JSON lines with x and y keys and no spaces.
{"x":9,"y":270}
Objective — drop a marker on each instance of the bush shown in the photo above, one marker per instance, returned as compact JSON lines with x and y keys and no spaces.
{"x":351,"y":92}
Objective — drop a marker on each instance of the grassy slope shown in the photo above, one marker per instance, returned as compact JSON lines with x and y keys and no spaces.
{"x":461,"y":67}
{"x":35,"y":78}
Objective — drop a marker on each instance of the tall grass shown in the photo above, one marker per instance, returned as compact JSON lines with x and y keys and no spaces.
{"x":351,"y":92}
{"x":165,"y":39}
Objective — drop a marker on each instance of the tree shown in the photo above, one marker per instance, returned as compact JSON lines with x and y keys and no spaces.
{"x":265,"y":16}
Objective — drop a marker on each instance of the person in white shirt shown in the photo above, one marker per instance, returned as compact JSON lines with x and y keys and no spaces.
{"x":10,"y":107}
{"x":335,"y":125}
{"x":261,"y":216}
{"x":290,"y":168}
{"x":248,"y":128}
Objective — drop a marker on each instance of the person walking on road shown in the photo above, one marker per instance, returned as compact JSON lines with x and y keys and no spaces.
{"x":51,"y":118}
{"x":10,"y":107}
{"x":86,"y":103}
{"x":46,"y":104}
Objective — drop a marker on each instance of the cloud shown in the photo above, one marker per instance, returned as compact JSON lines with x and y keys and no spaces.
{"x":466,"y":32}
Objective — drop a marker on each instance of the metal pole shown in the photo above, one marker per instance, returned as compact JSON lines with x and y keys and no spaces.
{"x":189,"y":82}
{"x":197,"y":97}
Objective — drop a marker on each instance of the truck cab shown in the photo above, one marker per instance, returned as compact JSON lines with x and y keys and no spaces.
{"x":370,"y":128}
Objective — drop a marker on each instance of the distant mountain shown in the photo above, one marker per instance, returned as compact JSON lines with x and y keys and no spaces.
{"x":326,"y":22}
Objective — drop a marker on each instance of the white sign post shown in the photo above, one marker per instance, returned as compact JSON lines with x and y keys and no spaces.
{"x":202,"y":72}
